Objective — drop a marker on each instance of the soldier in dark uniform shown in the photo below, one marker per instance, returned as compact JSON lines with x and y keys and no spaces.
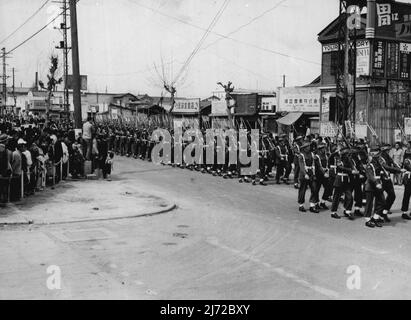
{"x":407,"y":188}
{"x":343,"y":184}
{"x":388,"y":166}
{"x":306,"y":177}
{"x":290,"y":159}
{"x":359,"y":159}
{"x":374,"y":190}
{"x":322,"y":175}
{"x":281,"y":156}
{"x":296,"y":150}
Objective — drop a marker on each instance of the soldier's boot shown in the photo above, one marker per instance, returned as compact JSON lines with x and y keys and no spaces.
{"x":323,"y":206}
{"x":262,"y":183}
{"x":335,"y":215}
{"x":349,"y":214}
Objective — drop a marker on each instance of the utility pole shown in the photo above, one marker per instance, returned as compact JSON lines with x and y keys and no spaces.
{"x":66,"y":49}
{"x":284,"y":81}
{"x":76,"y":65}
{"x":3,"y":50}
{"x":14,"y":93}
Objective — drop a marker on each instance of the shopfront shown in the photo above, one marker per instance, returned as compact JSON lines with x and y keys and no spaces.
{"x":186,"y":113}
{"x":299,"y":108}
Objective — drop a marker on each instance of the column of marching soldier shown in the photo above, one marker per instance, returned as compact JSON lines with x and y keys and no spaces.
{"x":337,"y":172}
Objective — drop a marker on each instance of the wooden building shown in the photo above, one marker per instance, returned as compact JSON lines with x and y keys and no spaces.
{"x":382,"y":68}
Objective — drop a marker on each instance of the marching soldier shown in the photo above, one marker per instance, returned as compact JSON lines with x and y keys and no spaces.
{"x":359,"y":159}
{"x":374,"y":190}
{"x":407,"y":189}
{"x":322,"y":175}
{"x":296,"y":148}
{"x":281,"y":156}
{"x":342,"y":184}
{"x":306,"y":177}
{"x":389,"y":167}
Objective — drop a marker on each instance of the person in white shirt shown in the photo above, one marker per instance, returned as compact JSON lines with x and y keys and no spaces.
{"x":87,"y":137}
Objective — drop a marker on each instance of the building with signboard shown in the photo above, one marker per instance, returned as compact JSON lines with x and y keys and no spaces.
{"x":299,"y":108}
{"x":382,"y":68}
{"x":186,"y":113}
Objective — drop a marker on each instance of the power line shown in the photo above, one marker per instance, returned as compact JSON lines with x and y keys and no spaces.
{"x":204,"y":37}
{"x":37,"y":32}
{"x":225,"y":36}
{"x":248,"y":23}
{"x":25,"y":22}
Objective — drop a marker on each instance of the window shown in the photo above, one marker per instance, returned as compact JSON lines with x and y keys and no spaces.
{"x":301,"y":100}
{"x":295,"y":100}
{"x":315,"y":101}
{"x":305,"y":100}
{"x":286,"y":101}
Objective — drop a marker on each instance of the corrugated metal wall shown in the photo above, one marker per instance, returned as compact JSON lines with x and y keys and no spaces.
{"x":385,"y":111}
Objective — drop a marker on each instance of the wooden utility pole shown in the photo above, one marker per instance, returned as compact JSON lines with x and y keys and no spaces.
{"x":3,"y":109}
{"x":284,"y":81}
{"x":14,"y":93}
{"x":78,"y":121}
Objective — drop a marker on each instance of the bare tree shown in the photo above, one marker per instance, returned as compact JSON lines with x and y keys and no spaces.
{"x":229,"y":89}
{"x":52,"y":82}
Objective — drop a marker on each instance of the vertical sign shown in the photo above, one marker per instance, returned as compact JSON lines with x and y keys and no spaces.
{"x":405,"y":61}
{"x":393,"y":60}
{"x":363,"y":58}
{"x":379,"y":59}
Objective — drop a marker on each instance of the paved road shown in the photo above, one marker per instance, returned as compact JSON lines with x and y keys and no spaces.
{"x":225,"y":241}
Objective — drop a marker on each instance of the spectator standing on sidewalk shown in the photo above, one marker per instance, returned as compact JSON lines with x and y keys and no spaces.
{"x":87,"y":137}
{"x":5,"y":168}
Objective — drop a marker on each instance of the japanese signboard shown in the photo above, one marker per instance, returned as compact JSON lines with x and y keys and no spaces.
{"x":378,"y":66}
{"x":393,"y":21}
{"x":299,"y":99}
{"x":268,"y":104}
{"x":328,"y":129}
{"x":393,"y":58}
{"x":187,"y":106}
{"x":363,"y":58}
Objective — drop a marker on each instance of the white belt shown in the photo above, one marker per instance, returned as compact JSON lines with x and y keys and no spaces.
{"x":342,"y":174}
{"x":333,"y":167}
{"x":377,"y":177}
{"x":307,"y":168}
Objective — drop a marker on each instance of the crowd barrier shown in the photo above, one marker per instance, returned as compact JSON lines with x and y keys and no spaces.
{"x":50,"y":176}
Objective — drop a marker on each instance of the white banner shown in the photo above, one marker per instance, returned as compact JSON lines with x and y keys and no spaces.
{"x":361,"y":131}
{"x":363,"y":58}
{"x":187,"y":106}
{"x":407,"y":126}
{"x":328,"y":129}
{"x":299,"y":99}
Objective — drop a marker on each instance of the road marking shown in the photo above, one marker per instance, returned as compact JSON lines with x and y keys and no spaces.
{"x":324,"y":291}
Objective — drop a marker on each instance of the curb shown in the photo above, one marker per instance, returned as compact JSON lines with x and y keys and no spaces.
{"x":150,"y":214}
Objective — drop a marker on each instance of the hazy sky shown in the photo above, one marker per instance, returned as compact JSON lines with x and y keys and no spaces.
{"x":121,"y":40}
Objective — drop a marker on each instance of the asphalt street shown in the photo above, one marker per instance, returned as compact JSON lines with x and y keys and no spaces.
{"x":225,"y":240}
